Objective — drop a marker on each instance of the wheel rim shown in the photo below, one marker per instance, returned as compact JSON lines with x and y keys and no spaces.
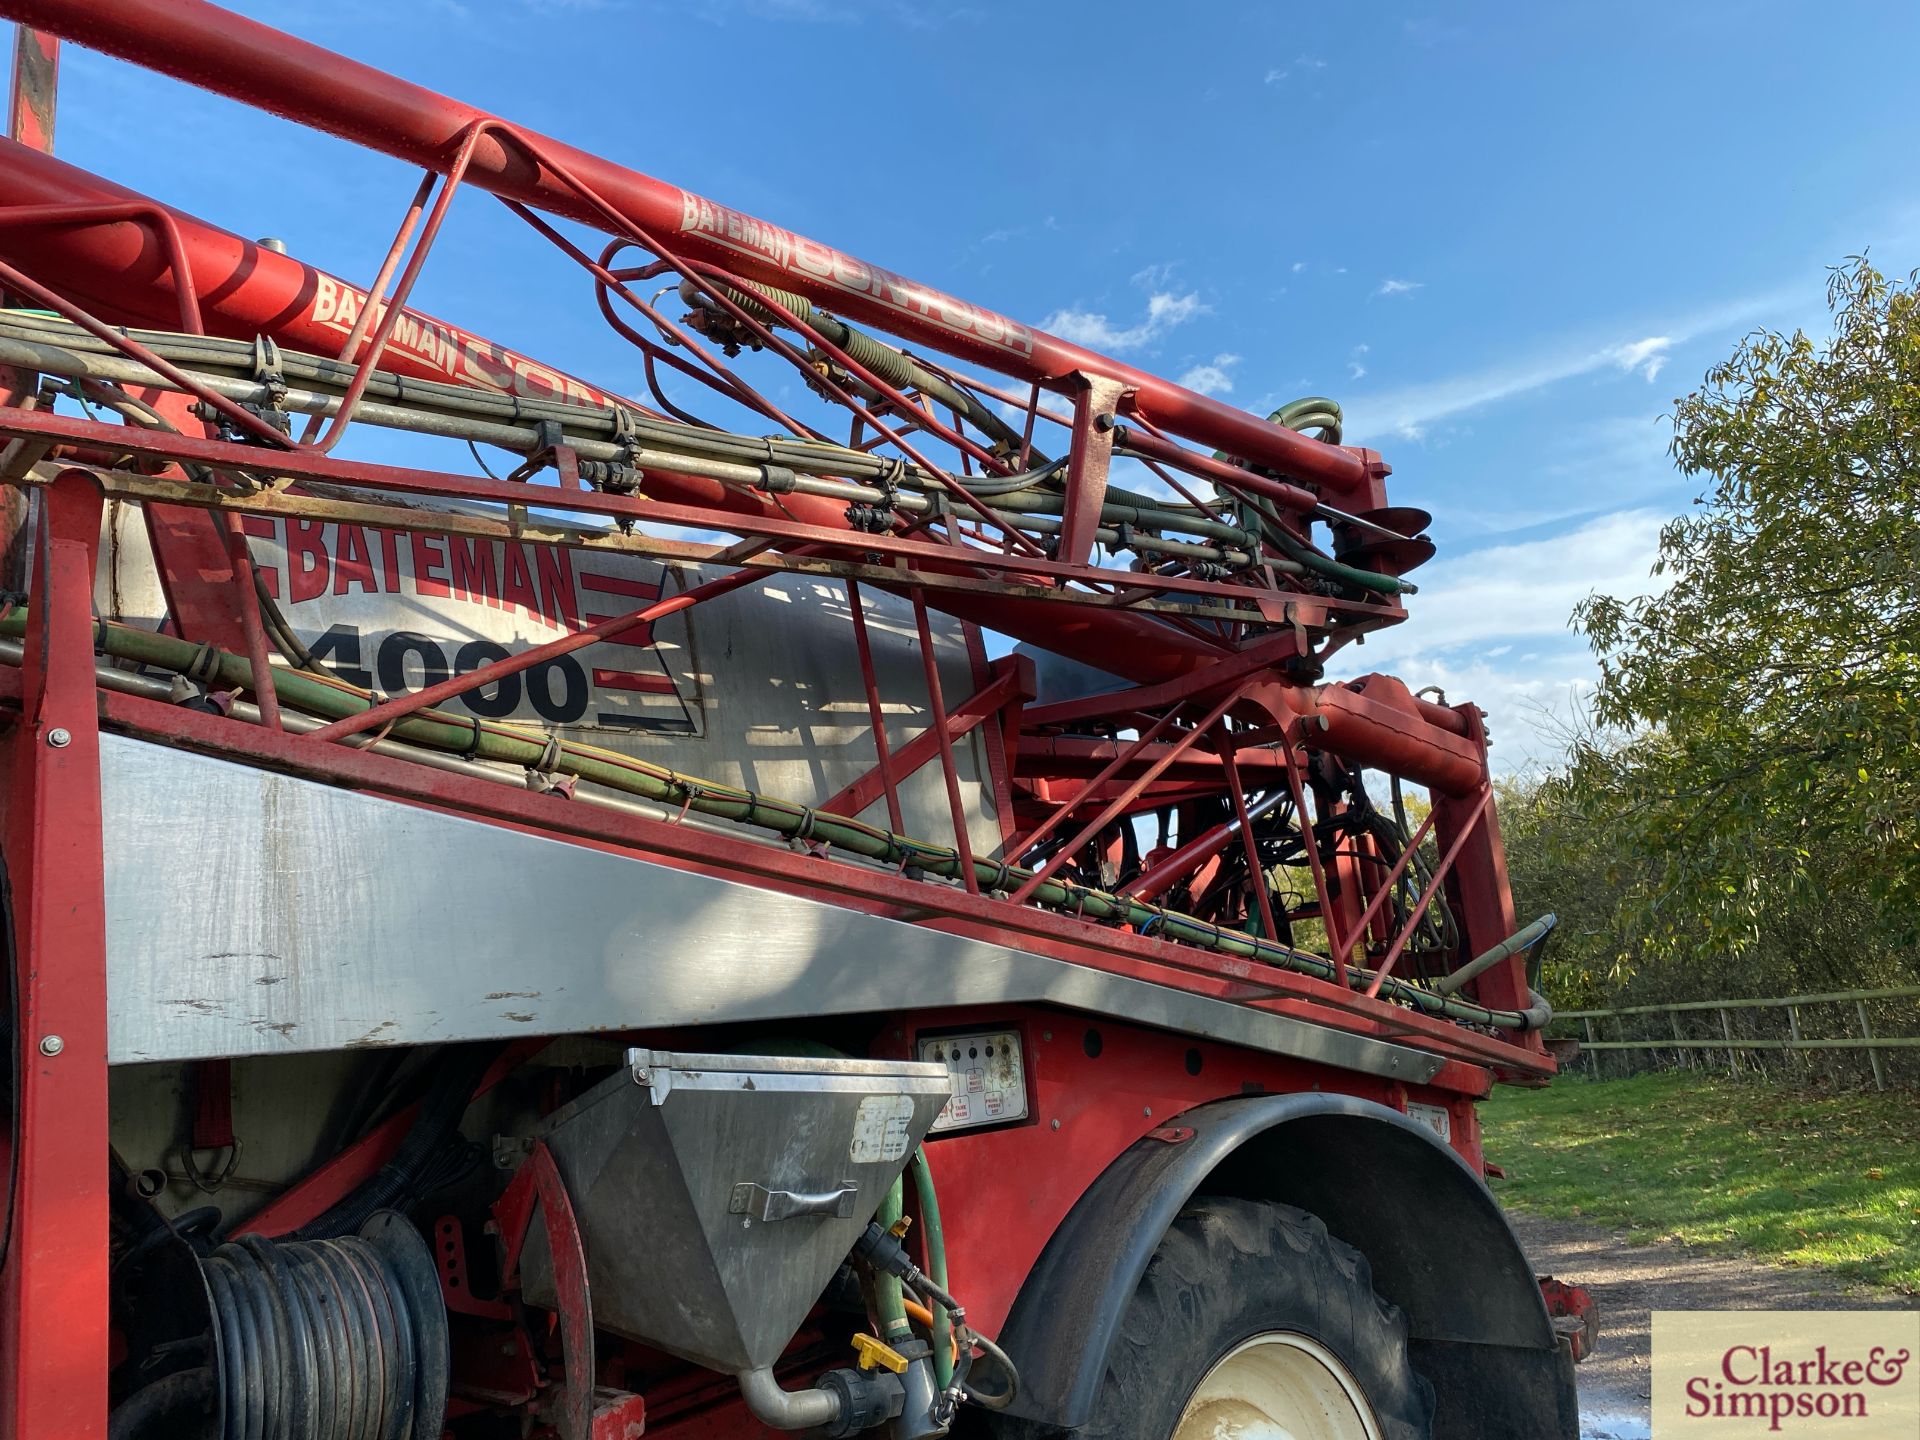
{"x":1279,"y":1386}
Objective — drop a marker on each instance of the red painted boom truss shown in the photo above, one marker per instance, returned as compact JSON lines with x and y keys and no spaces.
{"x":1216,"y":718}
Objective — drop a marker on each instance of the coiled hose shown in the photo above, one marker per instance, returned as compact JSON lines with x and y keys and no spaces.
{"x":179,"y":1400}
{"x":344,"y":1338}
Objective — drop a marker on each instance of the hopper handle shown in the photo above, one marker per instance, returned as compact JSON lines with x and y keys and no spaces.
{"x":760,"y":1203}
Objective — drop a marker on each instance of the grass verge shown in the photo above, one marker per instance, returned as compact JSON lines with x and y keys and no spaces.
{"x":1795,"y":1177}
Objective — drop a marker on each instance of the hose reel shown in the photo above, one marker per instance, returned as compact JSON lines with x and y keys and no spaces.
{"x":282,"y":1340}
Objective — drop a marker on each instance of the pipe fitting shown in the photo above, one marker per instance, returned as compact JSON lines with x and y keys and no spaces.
{"x":786,"y":1409}
{"x":867,"y":1398}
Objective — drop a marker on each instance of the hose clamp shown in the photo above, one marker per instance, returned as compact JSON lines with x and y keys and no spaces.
{"x":549,"y":757}
{"x":205,"y":665}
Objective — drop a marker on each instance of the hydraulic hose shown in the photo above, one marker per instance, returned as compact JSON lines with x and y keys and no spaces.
{"x":1128,"y":520}
{"x":515,"y":745}
{"x":1316,"y":412}
{"x":171,"y":1399}
{"x":1313,"y":412}
{"x":1320,"y":564}
{"x":935,"y":1240}
{"x":893,"y":366}
{"x":395,"y":1185}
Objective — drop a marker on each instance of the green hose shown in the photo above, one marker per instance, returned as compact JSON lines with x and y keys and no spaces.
{"x":897,"y":369}
{"x":889,"y":1298}
{"x":1314,"y":412}
{"x":936,"y":1243}
{"x":504,"y":744}
{"x":1334,"y":569}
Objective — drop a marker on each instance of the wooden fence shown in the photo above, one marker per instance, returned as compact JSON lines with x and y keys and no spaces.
{"x":1685,"y":1015}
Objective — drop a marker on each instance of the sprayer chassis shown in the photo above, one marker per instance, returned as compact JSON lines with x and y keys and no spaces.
{"x":164,"y":859}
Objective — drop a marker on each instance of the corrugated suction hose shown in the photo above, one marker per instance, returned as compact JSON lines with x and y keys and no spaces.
{"x":343,"y":1338}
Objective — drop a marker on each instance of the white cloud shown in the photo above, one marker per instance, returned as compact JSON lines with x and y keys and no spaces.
{"x":1298,"y":266}
{"x":1280,"y":73}
{"x":1647,"y":357}
{"x":1165,"y":310}
{"x":1529,"y":708}
{"x":1355,"y":370}
{"x":1211,"y":378}
{"x":1473,"y":607}
{"x":1399,"y":287}
{"x":1499,"y":592}
{"x":1408,"y":412}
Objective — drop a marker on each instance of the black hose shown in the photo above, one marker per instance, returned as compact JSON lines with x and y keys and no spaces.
{"x":402,"y":1180}
{"x":197,"y":1227}
{"x":139,"y":1415}
{"x":279,"y":630}
{"x":894,"y":366}
{"x":344,"y":1338}
{"x":1009,"y":1387}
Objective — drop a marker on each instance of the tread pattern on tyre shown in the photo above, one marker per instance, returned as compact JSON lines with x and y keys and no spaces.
{"x":1229,"y":1269}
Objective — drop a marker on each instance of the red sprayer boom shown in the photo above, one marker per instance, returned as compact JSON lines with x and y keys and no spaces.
{"x":513,"y":931}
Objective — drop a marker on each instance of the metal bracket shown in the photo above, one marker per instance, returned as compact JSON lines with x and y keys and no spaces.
{"x":760,"y":1203}
{"x":280,"y":420}
{"x":266,"y":369}
{"x":1095,"y":403}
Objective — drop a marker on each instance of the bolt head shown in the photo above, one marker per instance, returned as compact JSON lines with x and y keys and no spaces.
{"x":1056,"y":1124}
{"x":59,"y":739}
{"x":52,"y":1045}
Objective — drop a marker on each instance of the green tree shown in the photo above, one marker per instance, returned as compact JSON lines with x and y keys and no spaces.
{"x":1762,"y":786}
{"x":1557,"y":861}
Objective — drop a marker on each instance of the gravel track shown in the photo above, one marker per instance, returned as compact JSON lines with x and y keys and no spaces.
{"x":1629,"y":1281}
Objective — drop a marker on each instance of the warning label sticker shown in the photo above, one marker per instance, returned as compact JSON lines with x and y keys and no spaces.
{"x":881,"y":1129}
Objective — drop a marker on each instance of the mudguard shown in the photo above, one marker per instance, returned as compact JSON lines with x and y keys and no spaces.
{"x":1439,"y":1246}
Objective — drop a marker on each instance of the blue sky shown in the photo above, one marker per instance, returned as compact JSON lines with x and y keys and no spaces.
{"x":1504,"y":237}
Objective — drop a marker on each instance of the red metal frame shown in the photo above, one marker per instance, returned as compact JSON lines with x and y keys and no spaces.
{"x":36,"y":80}
{"x":228,"y":54}
{"x":537,"y":1182}
{"x":53,"y":1286}
{"x":1087,"y":1102}
{"x":1218,"y":671}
